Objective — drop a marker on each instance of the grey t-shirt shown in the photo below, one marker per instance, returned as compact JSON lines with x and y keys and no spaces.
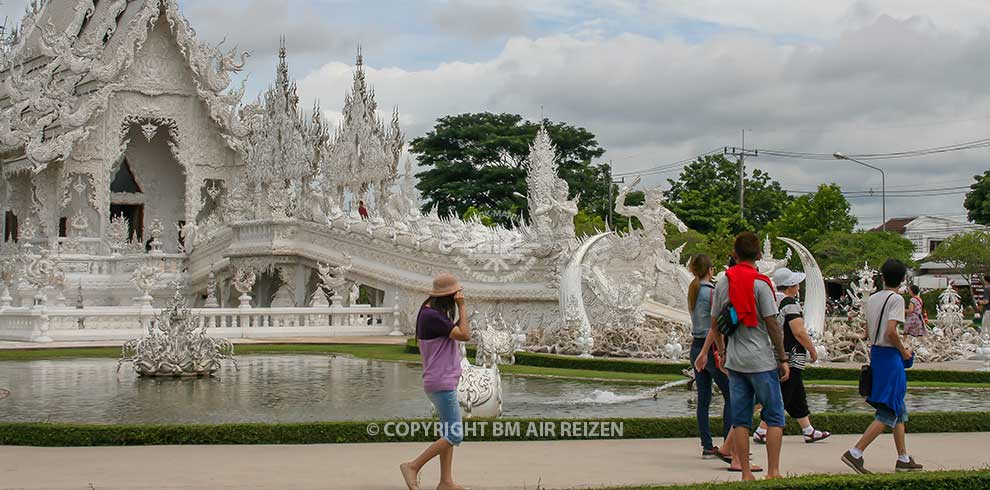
{"x":893,"y":311}
{"x":749,"y":349}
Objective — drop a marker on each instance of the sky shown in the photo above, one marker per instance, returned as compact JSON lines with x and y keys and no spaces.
{"x":659,"y":81}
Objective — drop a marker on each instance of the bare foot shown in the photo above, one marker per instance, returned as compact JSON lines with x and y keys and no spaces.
{"x":410,"y":475}
{"x":450,"y":486}
{"x":775,"y":476}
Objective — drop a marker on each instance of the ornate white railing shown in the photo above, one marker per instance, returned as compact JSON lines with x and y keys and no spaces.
{"x":46,"y":324}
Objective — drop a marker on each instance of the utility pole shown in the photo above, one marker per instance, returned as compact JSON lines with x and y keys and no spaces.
{"x":611,"y":205}
{"x":741,"y":153}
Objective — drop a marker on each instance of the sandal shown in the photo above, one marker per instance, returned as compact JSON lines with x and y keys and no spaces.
{"x":752,"y":467}
{"x":818,"y":435}
{"x":725,"y":458}
{"x":759,"y":438}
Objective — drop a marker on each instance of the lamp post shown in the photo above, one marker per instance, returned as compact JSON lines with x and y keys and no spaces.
{"x":883,"y":182}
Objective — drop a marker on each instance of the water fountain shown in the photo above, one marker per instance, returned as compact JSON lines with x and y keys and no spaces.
{"x":176,"y":345}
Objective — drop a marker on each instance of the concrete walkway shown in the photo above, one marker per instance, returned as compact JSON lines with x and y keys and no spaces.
{"x":483,"y":465}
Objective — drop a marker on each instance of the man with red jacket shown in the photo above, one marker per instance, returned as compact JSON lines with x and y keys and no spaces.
{"x":753,"y":354}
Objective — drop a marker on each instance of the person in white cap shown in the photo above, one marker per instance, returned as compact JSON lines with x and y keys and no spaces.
{"x":800,"y":347}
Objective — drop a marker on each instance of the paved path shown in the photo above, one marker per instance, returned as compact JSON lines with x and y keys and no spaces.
{"x":483,"y":465}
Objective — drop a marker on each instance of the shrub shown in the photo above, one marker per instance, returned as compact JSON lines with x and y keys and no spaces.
{"x":654,"y":367}
{"x":67,"y":435}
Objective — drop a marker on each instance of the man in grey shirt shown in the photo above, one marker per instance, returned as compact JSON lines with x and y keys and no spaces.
{"x":753,"y":355}
{"x":749,"y":349}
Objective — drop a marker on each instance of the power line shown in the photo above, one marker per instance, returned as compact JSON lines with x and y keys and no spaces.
{"x":814,"y":188}
{"x":968,"y":145}
{"x":667,"y":167}
{"x":902,"y":193}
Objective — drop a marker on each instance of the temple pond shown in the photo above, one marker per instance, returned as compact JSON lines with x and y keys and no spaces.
{"x":303,"y":388}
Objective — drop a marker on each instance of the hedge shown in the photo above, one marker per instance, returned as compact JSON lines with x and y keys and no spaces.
{"x":68,"y":435}
{"x":653,"y":367}
{"x":937,"y":480}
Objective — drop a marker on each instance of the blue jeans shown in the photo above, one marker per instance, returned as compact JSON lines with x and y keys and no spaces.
{"x":888,"y":417}
{"x":449,"y":411}
{"x":703,"y":382}
{"x":765,"y":388}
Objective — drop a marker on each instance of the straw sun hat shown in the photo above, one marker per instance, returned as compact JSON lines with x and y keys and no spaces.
{"x":445,"y":284}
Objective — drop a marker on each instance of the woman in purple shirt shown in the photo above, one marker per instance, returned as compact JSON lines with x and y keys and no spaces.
{"x":442,"y":321}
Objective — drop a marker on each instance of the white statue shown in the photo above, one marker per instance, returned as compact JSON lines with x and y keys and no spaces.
{"x":652,"y":214}
{"x":355,"y":294}
{"x":767,"y":265}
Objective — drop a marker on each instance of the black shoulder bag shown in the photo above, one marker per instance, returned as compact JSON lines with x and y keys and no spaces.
{"x":727,"y":320}
{"x":866,"y":372}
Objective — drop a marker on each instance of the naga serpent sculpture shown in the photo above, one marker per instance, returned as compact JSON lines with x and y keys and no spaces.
{"x":571,"y":296}
{"x":814,"y":293}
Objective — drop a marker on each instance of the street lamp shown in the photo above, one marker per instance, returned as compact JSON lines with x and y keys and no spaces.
{"x":883,"y":182}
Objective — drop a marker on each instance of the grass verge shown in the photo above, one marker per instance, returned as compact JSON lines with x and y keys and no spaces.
{"x":75,"y":435}
{"x":936,"y":480}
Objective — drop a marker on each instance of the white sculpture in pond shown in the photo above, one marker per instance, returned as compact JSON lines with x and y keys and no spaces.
{"x":176,"y":345}
{"x":479,"y":390}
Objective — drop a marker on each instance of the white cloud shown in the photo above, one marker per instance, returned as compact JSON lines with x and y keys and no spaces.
{"x":891,"y":85}
{"x":478,"y":20}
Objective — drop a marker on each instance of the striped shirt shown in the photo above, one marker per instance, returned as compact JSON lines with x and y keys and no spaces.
{"x":790,"y":309}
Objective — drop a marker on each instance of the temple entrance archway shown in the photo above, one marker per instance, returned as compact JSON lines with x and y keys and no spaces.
{"x":149,"y":184}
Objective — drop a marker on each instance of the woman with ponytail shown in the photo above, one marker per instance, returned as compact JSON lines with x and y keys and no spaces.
{"x":700,"y":304}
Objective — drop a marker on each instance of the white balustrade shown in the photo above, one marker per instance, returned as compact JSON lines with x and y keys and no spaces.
{"x":127,"y":322}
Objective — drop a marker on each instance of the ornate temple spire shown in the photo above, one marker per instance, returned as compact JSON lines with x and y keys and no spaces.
{"x":551,"y":211}
{"x":365,"y":153}
{"x":282,"y":72}
{"x":284,"y":145}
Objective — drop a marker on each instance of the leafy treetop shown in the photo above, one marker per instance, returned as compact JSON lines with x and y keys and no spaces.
{"x":705,"y":197}
{"x":479,"y":160}
{"x":977,"y":201}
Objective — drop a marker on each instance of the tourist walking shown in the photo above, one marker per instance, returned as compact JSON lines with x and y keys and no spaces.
{"x":800,"y":349}
{"x":700,"y":294}
{"x":745,"y":311}
{"x":362,"y":210}
{"x":984,"y":303}
{"x":702,"y":362}
{"x":889,"y":358}
{"x":441,"y":322}
{"x":916,"y":321}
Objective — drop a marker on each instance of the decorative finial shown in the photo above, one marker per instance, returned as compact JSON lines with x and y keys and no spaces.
{"x":360,"y":58}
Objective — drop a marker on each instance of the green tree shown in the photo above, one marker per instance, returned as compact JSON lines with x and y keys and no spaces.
{"x":840,"y":253}
{"x":809,"y":217}
{"x":717,"y":246}
{"x":977,"y":201}
{"x":479,"y":160}
{"x":483,"y":215}
{"x":705,"y":197}
{"x":588,"y":225}
{"x":966,"y":253}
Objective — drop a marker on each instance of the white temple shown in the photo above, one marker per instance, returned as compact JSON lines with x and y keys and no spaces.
{"x":131,"y":166}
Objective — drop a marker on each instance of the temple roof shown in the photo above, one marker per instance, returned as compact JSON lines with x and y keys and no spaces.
{"x":66,"y":45}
